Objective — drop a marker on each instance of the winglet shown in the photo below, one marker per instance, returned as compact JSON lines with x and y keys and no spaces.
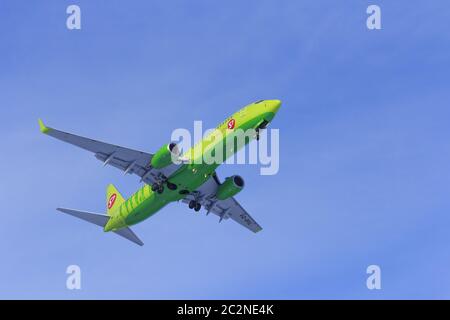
{"x":42,"y":127}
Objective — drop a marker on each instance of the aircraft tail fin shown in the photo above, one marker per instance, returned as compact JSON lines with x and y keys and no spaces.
{"x":113,"y":199}
{"x":101,"y":220}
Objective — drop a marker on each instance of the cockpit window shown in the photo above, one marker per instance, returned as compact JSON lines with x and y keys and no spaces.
{"x":259,"y":101}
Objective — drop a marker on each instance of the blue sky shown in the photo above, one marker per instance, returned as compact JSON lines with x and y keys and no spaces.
{"x":364,"y":146}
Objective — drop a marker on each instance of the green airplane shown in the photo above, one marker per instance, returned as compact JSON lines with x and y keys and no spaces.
{"x":170,"y":175}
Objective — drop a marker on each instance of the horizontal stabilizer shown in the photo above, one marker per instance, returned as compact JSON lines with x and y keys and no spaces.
{"x":127,"y":233}
{"x":101,"y":220}
{"x":94,"y":218}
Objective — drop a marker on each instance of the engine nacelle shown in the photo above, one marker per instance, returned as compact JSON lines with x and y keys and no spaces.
{"x":163,"y":157}
{"x":231,"y":186}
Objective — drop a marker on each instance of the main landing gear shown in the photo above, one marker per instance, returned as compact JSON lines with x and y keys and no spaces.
{"x":159,"y":187}
{"x":171,"y":186}
{"x":195,"y":205}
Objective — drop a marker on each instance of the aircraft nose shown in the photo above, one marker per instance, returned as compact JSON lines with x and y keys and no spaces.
{"x":273,"y":105}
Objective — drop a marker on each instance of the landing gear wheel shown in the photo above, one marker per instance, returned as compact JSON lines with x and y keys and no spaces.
{"x":155,"y":187}
{"x":192,"y":204}
{"x":171,"y":186}
{"x":197,"y":207}
{"x":160,"y":189}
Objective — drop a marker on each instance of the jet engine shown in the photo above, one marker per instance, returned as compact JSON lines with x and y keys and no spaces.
{"x":165,"y":156}
{"x":230,"y":187}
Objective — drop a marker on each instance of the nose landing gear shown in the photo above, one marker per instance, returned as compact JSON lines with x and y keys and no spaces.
{"x":262,"y":126}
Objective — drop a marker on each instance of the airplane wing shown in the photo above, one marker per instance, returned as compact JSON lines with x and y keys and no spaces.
{"x":225,"y":209}
{"x":128,"y":160}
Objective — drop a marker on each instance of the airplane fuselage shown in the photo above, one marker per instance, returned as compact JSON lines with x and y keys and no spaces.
{"x":190,"y":176}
